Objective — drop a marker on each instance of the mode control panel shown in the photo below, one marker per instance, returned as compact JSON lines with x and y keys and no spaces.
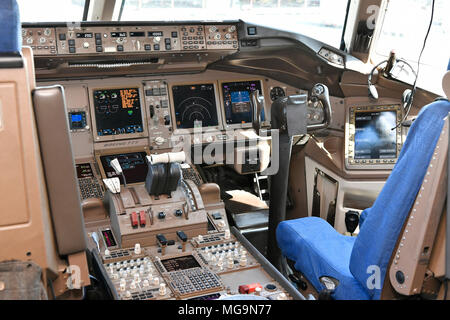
{"x":117,"y":39}
{"x":158,"y":113}
{"x":91,"y":39}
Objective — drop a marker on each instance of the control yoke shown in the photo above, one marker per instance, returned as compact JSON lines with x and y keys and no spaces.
{"x":319,"y":93}
{"x":257,"y":102}
{"x":288,"y":110}
{"x":291,"y":116}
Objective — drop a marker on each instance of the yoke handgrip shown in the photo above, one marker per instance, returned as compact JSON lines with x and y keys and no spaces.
{"x":257,"y":106}
{"x":320,"y":92}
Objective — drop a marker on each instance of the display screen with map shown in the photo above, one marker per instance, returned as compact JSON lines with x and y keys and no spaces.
{"x":195,"y":106}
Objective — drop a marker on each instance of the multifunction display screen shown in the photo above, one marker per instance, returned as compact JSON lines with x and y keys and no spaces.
{"x":375,"y":135}
{"x":117,"y":111}
{"x":236,"y":100}
{"x":84,"y":170}
{"x":133,"y":164}
{"x":180,"y":263}
{"x":195,"y":106}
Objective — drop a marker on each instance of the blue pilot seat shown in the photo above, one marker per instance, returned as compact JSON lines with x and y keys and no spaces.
{"x":318,"y":250}
{"x":10,"y":32}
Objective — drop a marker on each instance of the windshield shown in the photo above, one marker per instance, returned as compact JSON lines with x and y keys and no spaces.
{"x":404,"y":32}
{"x":51,"y":10}
{"x":319,"y":19}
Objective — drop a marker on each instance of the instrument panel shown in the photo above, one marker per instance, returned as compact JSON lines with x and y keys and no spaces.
{"x":127,"y":115}
{"x":83,"y":39}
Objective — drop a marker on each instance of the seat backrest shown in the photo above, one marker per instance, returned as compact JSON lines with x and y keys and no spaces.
{"x":59,"y":169}
{"x":381,"y":224}
{"x":26,"y":231}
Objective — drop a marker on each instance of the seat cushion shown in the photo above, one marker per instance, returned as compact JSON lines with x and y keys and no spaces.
{"x":319,"y":250}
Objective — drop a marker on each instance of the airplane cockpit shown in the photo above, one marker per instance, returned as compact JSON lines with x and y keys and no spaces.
{"x":224,"y":150}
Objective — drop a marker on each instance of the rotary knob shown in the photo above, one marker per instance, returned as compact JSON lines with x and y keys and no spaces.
{"x":217,"y":36}
{"x":47,"y":32}
{"x":157,"y":39}
{"x":282,"y":296}
{"x":162,"y":289}
{"x":42,"y":40}
{"x":232,"y":29}
{"x":228,"y":36}
{"x":159,"y":140}
{"x":29,"y":40}
{"x":212,"y":29}
{"x":85,"y":44}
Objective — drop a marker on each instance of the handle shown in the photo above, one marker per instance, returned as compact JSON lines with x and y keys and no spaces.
{"x":320,"y":92}
{"x":257,"y":103}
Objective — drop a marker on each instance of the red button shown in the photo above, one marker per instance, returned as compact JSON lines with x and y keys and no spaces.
{"x":249,"y":288}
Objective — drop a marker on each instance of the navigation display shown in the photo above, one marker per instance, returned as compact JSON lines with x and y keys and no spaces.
{"x":117,"y":111}
{"x":195,"y":106}
{"x":236,"y":100}
{"x":133,"y":164}
{"x":375,"y":137}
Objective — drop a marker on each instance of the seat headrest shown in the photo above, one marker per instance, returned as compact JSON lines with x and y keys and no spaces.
{"x":10,"y":31}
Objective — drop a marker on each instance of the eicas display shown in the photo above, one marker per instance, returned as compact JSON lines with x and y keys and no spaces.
{"x":117,"y":111}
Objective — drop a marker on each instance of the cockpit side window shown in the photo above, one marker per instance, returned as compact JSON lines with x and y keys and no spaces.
{"x":403,"y":30}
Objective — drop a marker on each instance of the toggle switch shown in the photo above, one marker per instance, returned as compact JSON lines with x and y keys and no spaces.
{"x":134,"y":220}
{"x":142,"y":219}
{"x":183,"y":238}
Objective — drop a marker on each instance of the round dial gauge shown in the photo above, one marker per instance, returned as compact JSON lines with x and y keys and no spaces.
{"x":276,"y":92}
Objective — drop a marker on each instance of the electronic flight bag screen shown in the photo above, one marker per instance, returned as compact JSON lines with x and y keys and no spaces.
{"x":375,"y":135}
{"x":236,"y":99}
{"x":117,"y":111}
{"x":195,"y":106}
